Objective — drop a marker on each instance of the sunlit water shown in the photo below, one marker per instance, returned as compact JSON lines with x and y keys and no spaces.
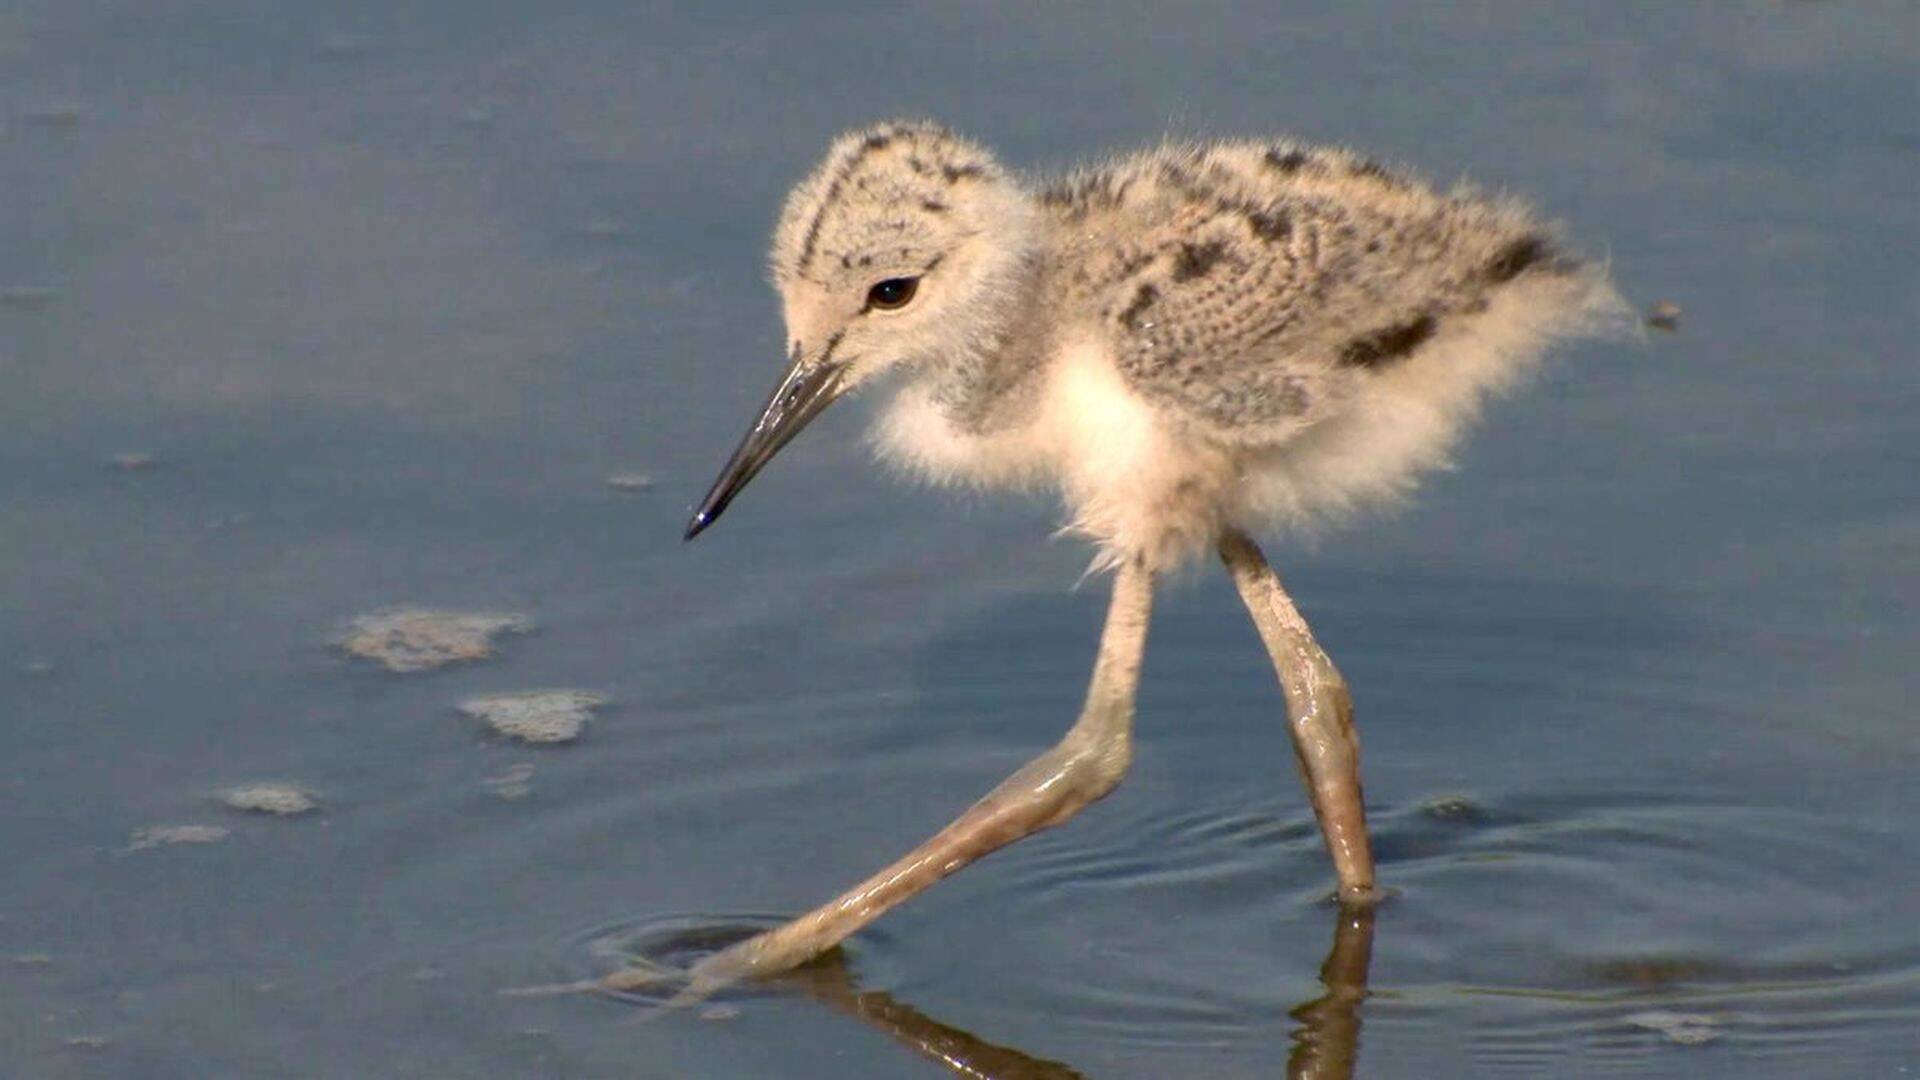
{"x":320,"y":311}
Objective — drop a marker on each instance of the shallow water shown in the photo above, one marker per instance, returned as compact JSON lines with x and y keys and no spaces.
{"x":327,"y":310}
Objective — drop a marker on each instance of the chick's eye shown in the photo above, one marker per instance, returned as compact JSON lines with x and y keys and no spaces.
{"x":892,"y":294}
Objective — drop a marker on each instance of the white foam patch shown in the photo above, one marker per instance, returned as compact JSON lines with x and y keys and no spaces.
{"x":270,"y":797}
{"x":409,"y":640}
{"x":535,"y":716}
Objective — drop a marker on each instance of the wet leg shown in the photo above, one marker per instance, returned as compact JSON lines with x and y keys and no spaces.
{"x":1319,"y":714}
{"x":1086,"y":764}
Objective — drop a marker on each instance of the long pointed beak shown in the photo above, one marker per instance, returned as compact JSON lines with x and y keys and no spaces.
{"x":809,"y":386}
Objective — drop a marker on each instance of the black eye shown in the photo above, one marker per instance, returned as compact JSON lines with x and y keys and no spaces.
{"x":892,"y":294}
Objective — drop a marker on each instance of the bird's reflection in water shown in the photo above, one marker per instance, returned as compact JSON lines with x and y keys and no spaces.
{"x":1326,"y":1035}
{"x":828,"y":981}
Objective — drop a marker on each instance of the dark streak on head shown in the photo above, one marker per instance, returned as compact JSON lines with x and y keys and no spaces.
{"x":1393,"y":343}
{"x":933,"y":206}
{"x":1515,"y":258}
{"x":1142,"y":300}
{"x":876,"y":141}
{"x":957,"y":173}
{"x":1194,"y":260}
{"x":833,"y":343}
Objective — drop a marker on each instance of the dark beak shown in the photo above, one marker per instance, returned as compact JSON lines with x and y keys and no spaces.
{"x":808,"y":387}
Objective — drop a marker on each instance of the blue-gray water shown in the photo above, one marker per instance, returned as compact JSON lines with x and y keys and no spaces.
{"x":389,"y":291}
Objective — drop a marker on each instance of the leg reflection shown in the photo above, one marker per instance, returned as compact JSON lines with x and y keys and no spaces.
{"x":828,"y":981}
{"x":1328,"y":1038}
{"x":1325,"y":1042}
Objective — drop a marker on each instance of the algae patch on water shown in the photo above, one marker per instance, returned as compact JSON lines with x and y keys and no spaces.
{"x":536,"y":716}
{"x":421,"y":639}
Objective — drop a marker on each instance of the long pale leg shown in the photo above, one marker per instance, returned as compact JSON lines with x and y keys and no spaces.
{"x":1319,"y":714}
{"x":1085,"y":765}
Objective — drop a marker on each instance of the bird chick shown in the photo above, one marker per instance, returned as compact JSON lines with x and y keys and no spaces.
{"x":1190,"y":343}
{"x":1198,"y":337}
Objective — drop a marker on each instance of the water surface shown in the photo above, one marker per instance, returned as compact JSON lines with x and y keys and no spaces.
{"x":378,"y":299}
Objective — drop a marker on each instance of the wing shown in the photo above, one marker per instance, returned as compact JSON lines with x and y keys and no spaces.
{"x":1260,"y":287}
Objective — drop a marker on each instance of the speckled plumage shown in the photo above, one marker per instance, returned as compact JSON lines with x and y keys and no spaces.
{"x":1255,"y":287}
{"x":1189,"y":343}
{"x":1248,"y":331}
